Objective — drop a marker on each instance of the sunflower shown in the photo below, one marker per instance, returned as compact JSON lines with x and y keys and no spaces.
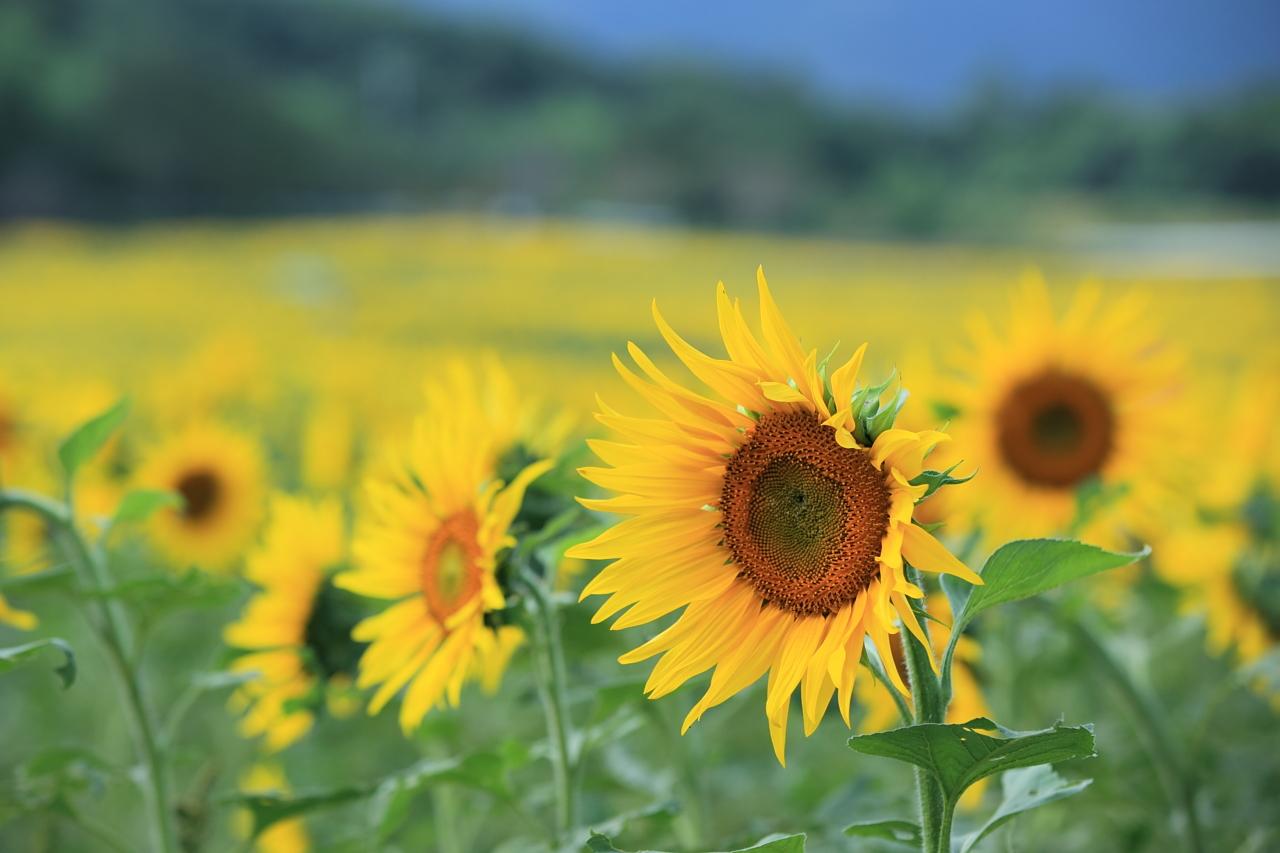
{"x":285,"y":836}
{"x":429,"y":541}
{"x":1222,"y":550}
{"x":296,"y":628}
{"x":768,"y":513}
{"x":1074,"y":423}
{"x":219,"y":474}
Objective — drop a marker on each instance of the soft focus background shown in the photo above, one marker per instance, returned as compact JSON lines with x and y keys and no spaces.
{"x":286,"y":213}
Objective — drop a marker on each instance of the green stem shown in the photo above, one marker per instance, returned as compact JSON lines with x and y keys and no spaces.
{"x":944,"y":827}
{"x":1148,"y":723}
{"x":112,"y":632}
{"x":552,"y":689}
{"x":926,"y":697}
{"x":444,"y":799}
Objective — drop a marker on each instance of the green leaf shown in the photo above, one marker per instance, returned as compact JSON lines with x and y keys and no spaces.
{"x":960,"y":755}
{"x":268,"y":808}
{"x":1020,"y":570}
{"x":391,"y":796}
{"x":776,"y":844}
{"x":88,"y":438}
{"x":139,"y":505}
{"x":599,"y":843}
{"x":163,"y":591}
{"x":616,"y":824}
{"x":1025,"y":789}
{"x":902,"y":831}
{"x":17,"y":655}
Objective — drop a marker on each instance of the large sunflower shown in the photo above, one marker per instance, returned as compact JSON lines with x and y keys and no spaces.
{"x":1073,"y":422}
{"x":219,"y":474}
{"x":763,"y":513}
{"x":296,"y":628}
{"x":429,"y":541}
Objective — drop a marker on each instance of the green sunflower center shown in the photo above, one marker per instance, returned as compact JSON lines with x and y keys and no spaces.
{"x":451,"y":573}
{"x":1055,"y":429}
{"x":795,"y":512}
{"x":803,"y":516}
{"x":201,"y":492}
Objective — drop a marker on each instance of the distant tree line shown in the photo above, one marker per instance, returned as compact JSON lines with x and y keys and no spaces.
{"x":130,"y":108}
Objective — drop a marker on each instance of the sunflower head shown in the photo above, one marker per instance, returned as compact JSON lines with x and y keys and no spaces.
{"x":429,"y":543}
{"x":218,"y":473}
{"x":1073,"y":419}
{"x":774,"y":509}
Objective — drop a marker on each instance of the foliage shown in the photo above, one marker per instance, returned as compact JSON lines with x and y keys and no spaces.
{"x":152,"y":107}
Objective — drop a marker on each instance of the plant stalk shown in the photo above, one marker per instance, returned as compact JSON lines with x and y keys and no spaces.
{"x":553,"y":691}
{"x":111,"y":628}
{"x":926,"y":698}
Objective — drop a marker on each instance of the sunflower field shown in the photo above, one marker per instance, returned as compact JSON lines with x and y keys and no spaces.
{"x":469,"y":533}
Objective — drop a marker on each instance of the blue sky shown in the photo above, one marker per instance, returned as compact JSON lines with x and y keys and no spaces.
{"x":928,"y":54}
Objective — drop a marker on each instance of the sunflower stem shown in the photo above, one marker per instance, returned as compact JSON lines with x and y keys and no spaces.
{"x":552,"y":689}
{"x":926,"y":697}
{"x":111,"y":628}
{"x":1145,"y":715}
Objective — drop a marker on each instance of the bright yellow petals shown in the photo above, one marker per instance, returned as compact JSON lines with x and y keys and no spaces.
{"x":304,"y":540}
{"x":755,"y":514}
{"x":429,"y":541}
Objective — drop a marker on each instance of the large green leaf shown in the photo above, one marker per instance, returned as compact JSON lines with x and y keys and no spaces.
{"x":161,"y":592}
{"x":1020,"y":570}
{"x":1024,"y":789}
{"x":88,"y":438}
{"x":902,"y":831}
{"x":599,"y":843}
{"x":960,"y":755}
{"x":389,"y":797}
{"x":268,"y":808}
{"x":140,"y":504}
{"x":486,"y":771}
{"x":17,"y":655}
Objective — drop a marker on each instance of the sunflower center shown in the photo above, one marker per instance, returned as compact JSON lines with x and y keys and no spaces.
{"x":8,"y":430}
{"x":803,"y":516}
{"x":201,"y":490}
{"x":334,"y":612}
{"x":451,"y":573}
{"x":1055,"y":429}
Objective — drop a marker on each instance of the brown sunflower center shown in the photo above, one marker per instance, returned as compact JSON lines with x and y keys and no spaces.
{"x":201,"y":492}
{"x":451,"y":565}
{"x":803,"y":516}
{"x":1055,"y":429}
{"x":8,"y":428}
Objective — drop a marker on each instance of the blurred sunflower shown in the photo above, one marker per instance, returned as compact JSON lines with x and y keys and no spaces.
{"x":429,"y":541}
{"x":297,"y":627}
{"x":775,"y":516}
{"x":285,"y":836}
{"x":1223,"y":551}
{"x":1073,"y":423}
{"x":219,"y":474}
